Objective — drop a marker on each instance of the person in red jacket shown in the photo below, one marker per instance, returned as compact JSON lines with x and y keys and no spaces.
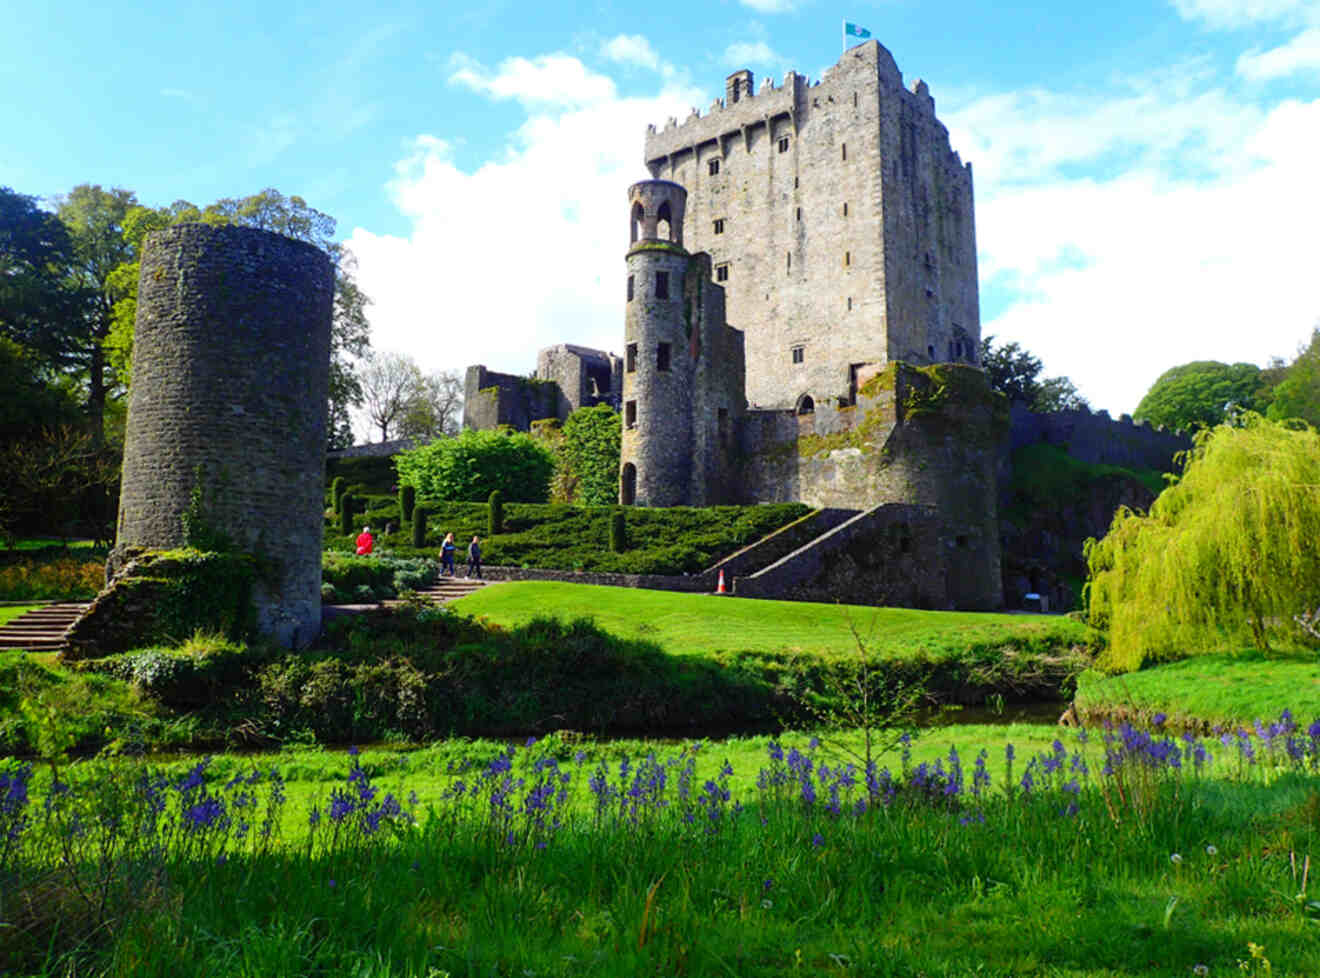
{"x":365,"y":542}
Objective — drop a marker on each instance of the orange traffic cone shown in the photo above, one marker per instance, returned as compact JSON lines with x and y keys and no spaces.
{"x":719,"y":588}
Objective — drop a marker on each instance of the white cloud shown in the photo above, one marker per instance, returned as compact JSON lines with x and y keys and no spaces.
{"x":1300,"y":55}
{"x":1241,"y":13}
{"x":743,"y":53}
{"x":631,"y":49}
{"x":1147,"y":261}
{"x":771,"y":6}
{"x":527,"y":249}
{"x":546,"y":80}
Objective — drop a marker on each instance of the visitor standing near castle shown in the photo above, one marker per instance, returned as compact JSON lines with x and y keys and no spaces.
{"x":447,"y":549}
{"x":365,"y":542}
{"x":474,"y":557}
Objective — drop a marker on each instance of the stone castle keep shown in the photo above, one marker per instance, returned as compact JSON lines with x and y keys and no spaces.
{"x":802,"y":323}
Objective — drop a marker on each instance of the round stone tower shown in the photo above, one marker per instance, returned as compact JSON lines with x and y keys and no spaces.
{"x":231,"y":359}
{"x":655,"y":465}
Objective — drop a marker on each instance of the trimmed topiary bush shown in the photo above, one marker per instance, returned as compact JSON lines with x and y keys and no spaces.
{"x":337,"y":491}
{"x":407,"y":502}
{"x":496,"y":522}
{"x":419,"y":528}
{"x":346,"y":513}
{"x":618,"y":532}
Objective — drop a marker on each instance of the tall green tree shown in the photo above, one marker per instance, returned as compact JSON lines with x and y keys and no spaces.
{"x":475,"y":464}
{"x":1226,"y":557}
{"x":436,"y":408}
{"x":94,"y":218}
{"x":37,"y":304}
{"x":269,"y":210}
{"x":1297,"y":392}
{"x":1199,"y":394}
{"x":1015,"y":373}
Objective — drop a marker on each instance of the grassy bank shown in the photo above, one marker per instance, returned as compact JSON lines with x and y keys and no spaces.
{"x":706,"y":625}
{"x":1091,"y":858}
{"x":1206,"y":691}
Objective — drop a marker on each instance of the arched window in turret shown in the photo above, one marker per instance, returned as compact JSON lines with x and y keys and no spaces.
{"x":806,"y":405}
{"x":664,"y":223}
{"x":638,"y":215}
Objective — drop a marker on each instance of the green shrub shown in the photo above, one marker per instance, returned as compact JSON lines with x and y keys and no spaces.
{"x":496,"y":522}
{"x":182,"y":677}
{"x":419,"y":528}
{"x":346,"y":520}
{"x":589,"y":450}
{"x":407,"y":500}
{"x":472,"y":465}
{"x":618,"y":532}
{"x":336,"y":492}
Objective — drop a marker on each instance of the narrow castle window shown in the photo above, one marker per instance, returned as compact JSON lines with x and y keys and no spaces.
{"x":736,"y":91}
{"x":719,"y":225}
{"x":630,"y":414}
{"x":799,"y":213}
{"x":845,"y":152}
{"x":795,"y":183}
{"x":930,"y":352}
{"x":714,"y":167}
{"x":850,"y":303}
{"x":788,"y":261}
{"x":783,"y":145}
{"x":957,"y":350}
{"x":662,"y":357}
{"x":638,"y":215}
{"x":662,"y":285}
{"x":854,"y":100}
{"x":845,"y":208}
{"x":798,"y":353}
{"x":722,"y":273}
{"x":630,"y":288}
{"x":806,"y":405}
{"x":847,"y":258}
{"x":632,"y":358}
{"x":628,"y":485}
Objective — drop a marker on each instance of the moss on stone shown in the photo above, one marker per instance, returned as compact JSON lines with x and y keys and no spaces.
{"x":673,"y":249}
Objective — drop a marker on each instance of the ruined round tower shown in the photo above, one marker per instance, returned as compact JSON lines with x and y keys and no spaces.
{"x":656,"y":456}
{"x":231,"y":359}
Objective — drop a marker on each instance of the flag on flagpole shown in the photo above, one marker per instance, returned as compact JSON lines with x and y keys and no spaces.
{"x":855,"y":30}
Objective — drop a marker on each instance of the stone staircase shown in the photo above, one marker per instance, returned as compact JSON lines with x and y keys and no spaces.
{"x":447,"y":589}
{"x":42,"y":629}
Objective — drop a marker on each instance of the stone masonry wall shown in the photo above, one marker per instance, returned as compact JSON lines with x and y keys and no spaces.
{"x":231,"y":363}
{"x":837,"y":218}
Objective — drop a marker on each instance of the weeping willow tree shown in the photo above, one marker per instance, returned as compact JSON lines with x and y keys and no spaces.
{"x":1227,"y":556}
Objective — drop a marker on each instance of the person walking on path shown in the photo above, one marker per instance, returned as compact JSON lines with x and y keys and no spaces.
{"x":474,"y":557}
{"x":365,"y":542}
{"x":447,"y":555}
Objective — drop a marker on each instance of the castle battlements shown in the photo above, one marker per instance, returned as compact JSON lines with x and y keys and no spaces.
{"x":744,"y":107}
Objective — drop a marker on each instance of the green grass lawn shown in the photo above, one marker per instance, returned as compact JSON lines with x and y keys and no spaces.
{"x":43,"y":543}
{"x":8,"y":612}
{"x":1210,"y":689}
{"x":702,"y":625}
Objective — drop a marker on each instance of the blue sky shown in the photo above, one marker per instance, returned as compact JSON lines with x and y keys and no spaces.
{"x":1144,"y":171}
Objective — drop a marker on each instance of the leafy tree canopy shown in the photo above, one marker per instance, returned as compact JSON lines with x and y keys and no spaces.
{"x":1297,"y":393}
{"x":1225,"y":558}
{"x":36,"y":253}
{"x":435,"y":409}
{"x":1015,"y":373}
{"x":476,"y":463}
{"x":1198,"y":394}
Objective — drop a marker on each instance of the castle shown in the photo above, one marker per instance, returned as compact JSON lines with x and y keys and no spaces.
{"x":802,"y":323}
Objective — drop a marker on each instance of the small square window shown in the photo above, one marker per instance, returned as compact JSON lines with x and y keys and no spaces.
{"x":721,"y":273}
{"x":798,"y":353}
{"x":662,"y":285}
{"x":630,"y":288}
{"x":632,"y":358}
{"x":783,"y":145}
{"x":719,"y":226}
{"x":630,"y":414}
{"x":662,"y":357}
{"x":714,"y":167}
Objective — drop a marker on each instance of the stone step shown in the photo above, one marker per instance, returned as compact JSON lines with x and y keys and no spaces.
{"x":42,"y":628}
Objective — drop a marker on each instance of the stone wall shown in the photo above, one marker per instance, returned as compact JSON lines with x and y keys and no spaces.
{"x":492,"y":399}
{"x":231,"y":363}
{"x":837,"y":218}
{"x":1099,"y":439}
